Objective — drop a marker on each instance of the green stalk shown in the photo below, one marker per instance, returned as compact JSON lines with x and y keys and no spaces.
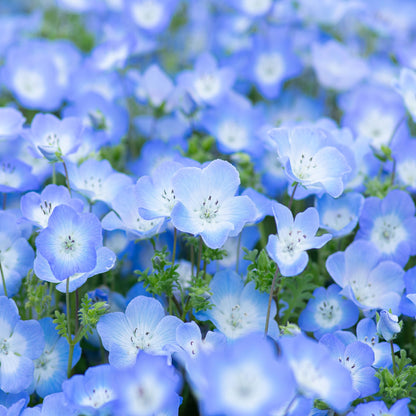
{"x":266,"y":328}
{"x":3,"y":279}
{"x":69,"y":339}
{"x":393,"y":358}
{"x":175,"y":237}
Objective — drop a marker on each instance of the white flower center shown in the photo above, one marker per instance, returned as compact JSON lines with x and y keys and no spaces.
{"x":310,"y":379}
{"x":270,"y":68}
{"x":377,"y":126}
{"x":69,"y":245}
{"x":387,"y":233}
{"x":141,"y":340}
{"x":304,"y":166}
{"x":209,"y":209}
{"x":4,"y":347}
{"x":169,"y":199}
{"x":98,"y":397}
{"x":328,"y":313}
{"x":406,"y":171}
{"x":232,"y":134}
{"x":245,"y":387}
{"x":8,"y":176}
{"x":256,"y":7}
{"x":29,"y":83}
{"x":207,"y":85}
{"x":337,"y":219}
{"x":147,"y":13}
{"x":291,"y":244}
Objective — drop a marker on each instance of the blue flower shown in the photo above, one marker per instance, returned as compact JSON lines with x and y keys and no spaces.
{"x":70,"y":241}
{"x":21,"y":342}
{"x":328,"y":311}
{"x":143,"y":326}
{"x":16,"y":254}
{"x":37,"y":208}
{"x":97,"y":180}
{"x":388,"y":325}
{"x":51,"y":366}
{"x":379,"y":408}
{"x":238,"y":309}
{"x":294,"y":237}
{"x":11,"y":123}
{"x":207,"y":83}
{"x":16,"y":176}
{"x":339,"y":216}
{"x":207,"y":205}
{"x":149,"y":387}
{"x":92,"y":394}
{"x":155,"y":195}
{"x":318,"y":375}
{"x":406,"y":86}
{"x":390,"y":224}
{"x":311,"y":159}
{"x":365,"y":279}
{"x":358,"y":358}
{"x":243,"y":378}
{"x":336,"y":66}
{"x":52,"y":138}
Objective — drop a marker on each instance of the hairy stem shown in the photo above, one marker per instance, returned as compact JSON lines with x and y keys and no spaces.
{"x":274,"y":281}
{"x":393,"y":357}
{"x":3,"y":279}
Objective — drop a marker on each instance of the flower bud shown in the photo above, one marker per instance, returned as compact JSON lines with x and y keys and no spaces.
{"x":388,"y":325}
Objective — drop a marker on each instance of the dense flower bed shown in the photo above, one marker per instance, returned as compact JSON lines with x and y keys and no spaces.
{"x":207,"y":207}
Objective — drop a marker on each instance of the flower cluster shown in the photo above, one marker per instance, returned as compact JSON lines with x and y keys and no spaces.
{"x":207,"y":207}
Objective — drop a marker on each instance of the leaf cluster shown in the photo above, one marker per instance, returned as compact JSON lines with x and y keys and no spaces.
{"x":400,"y":386}
{"x":38,"y":296}
{"x":163,"y":277}
{"x":261,"y":270}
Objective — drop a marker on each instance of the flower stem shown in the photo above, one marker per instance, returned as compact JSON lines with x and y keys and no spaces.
{"x":275,"y":278}
{"x":238,"y":252}
{"x":393,"y":357}
{"x":66,"y":176}
{"x":291,"y":196}
{"x":68,"y":321}
{"x":175,"y":236}
{"x":198,"y":266}
{"x":54,"y":173}
{"x":3,"y":279}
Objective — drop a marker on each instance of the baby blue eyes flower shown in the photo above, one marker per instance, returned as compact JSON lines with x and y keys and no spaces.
{"x":37,"y":208}
{"x":70,"y":241}
{"x":328,"y":311}
{"x":243,"y":378}
{"x":367,"y":280}
{"x":11,"y":123}
{"x":207,"y":205}
{"x":388,"y":325}
{"x":149,"y":387}
{"x":16,"y":254}
{"x":311,"y":159}
{"x":21,"y":342}
{"x":340,"y":216}
{"x":294,"y":237}
{"x":238,"y":309}
{"x":143,"y":326}
{"x":390,"y":224}
{"x":406,"y":86}
{"x":52,"y":138}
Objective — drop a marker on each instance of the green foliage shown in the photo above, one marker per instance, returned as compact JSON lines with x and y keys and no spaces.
{"x":378,"y":187}
{"x":38,"y":296}
{"x":295,"y":292}
{"x":249,"y":176}
{"x":261,"y":270}
{"x":89,"y":314}
{"x":60,"y":25}
{"x":198,"y":294}
{"x":201,"y":149}
{"x":164,"y":276}
{"x":61,"y":324}
{"x":399,"y":386}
